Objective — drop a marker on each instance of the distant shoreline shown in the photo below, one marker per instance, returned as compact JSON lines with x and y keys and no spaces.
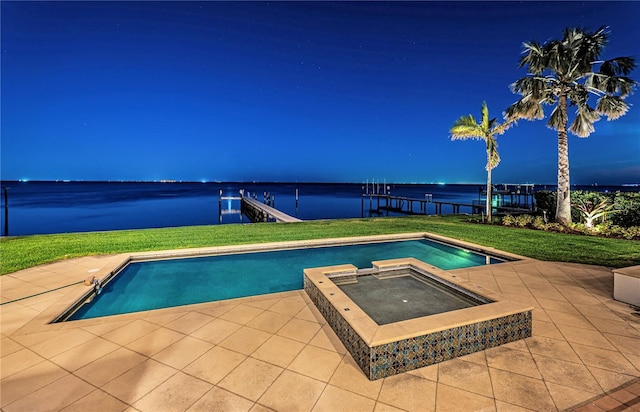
{"x":254,"y":182}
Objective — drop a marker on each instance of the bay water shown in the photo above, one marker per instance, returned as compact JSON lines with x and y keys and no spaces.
{"x":61,"y":207}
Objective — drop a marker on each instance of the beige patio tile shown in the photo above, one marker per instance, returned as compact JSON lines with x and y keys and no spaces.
{"x":18,"y":361}
{"x":569,"y":319}
{"x":61,"y":341}
{"x":546,"y":329}
{"x":278,"y":351}
{"x":349,"y":376}
{"x":130,"y":332}
{"x":8,"y":346}
{"x":427,"y":372}
{"x":214,"y":365}
{"x":509,"y":407}
{"x":565,"y":397}
{"x":521,"y":390}
{"x":312,"y":314}
{"x":241,"y":314}
{"x":336,"y":399}
{"x":480,"y":357}
{"x":289,"y":306}
{"x":456,"y":399}
{"x":183,"y":352}
{"x":316,"y":363}
{"x":216,"y":331}
{"x":300,"y":330}
{"x":557,"y":348}
{"x":598,"y":311}
{"x":604,"y":359}
{"x":138,"y":381}
{"x":383,"y":407}
{"x":609,"y":379}
{"x":217,"y":310}
{"x":514,"y":289}
{"x":624,"y":344}
{"x":268,"y":321}
{"x":177,"y":393}
{"x":469,"y":377}
{"x":409,"y":392}
{"x":190,"y":322}
{"x":251,"y":378}
{"x":262,"y":302}
{"x":292,"y":392}
{"x":218,"y":399}
{"x":615,"y":327}
{"x":542,"y":288}
{"x":585,"y":337}
{"x":101,"y":329}
{"x":512,"y":361}
{"x":53,"y":397}
{"x":327,"y":339}
{"x":163,"y":318}
{"x":106,"y":402}
{"x":557,"y":306}
{"x":110,"y":366}
{"x":155,"y":341}
{"x":20,"y":384}
{"x":574,"y":375}
{"x":84,"y":354}
{"x":245,"y":340}
{"x":259,"y":408}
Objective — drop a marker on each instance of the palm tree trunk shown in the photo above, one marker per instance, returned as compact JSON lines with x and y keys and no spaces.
{"x":489,"y":196}
{"x":563,"y":205}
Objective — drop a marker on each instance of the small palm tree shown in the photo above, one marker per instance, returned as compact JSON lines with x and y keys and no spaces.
{"x":563,"y":73}
{"x":591,"y":212}
{"x":466,"y":128}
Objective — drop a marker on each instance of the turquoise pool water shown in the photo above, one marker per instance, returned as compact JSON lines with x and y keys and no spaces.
{"x":166,"y":283}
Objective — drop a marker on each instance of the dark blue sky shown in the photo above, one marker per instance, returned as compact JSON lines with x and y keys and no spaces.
{"x":265,"y":91}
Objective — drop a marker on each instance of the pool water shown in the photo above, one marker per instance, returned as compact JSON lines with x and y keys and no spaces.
{"x":390,"y":300}
{"x":159,"y":284}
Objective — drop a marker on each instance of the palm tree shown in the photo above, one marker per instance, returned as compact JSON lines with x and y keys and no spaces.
{"x":562,"y":73}
{"x":466,"y":128}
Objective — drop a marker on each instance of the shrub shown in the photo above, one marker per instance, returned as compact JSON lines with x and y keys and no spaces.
{"x":539,"y":223}
{"x":509,"y":220}
{"x":523,"y":220}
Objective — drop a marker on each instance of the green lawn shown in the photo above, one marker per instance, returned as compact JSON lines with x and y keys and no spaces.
{"x":22,"y":252}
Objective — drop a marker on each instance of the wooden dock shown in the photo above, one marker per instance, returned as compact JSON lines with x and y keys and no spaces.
{"x":385,"y":203}
{"x":259,"y":212}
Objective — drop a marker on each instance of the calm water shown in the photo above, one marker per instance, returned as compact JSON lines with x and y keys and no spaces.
{"x":59,"y":207}
{"x":167,"y":283}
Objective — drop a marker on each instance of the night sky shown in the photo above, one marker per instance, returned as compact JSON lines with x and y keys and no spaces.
{"x":292,"y":91}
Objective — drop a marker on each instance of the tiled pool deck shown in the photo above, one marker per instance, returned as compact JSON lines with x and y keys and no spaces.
{"x":276,"y":352}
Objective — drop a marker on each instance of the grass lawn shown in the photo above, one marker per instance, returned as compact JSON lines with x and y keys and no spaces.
{"x":26,"y":251}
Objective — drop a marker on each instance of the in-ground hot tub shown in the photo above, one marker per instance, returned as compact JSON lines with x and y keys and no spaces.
{"x":402,"y":330}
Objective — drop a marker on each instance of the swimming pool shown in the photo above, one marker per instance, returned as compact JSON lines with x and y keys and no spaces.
{"x":148,"y":285}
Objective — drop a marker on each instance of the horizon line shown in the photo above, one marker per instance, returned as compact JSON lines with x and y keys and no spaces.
{"x":206,"y":181}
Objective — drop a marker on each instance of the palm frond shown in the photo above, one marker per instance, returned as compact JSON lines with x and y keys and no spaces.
{"x":525,"y":108}
{"x":493,"y":158}
{"x":558,"y":119}
{"x":582,"y":125}
{"x":484,"y":120}
{"x":466,"y":128}
{"x":533,"y":57}
{"x":618,"y":66}
{"x":613,"y":107}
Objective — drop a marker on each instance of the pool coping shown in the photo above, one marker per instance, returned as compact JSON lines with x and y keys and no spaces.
{"x":80,"y":292}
